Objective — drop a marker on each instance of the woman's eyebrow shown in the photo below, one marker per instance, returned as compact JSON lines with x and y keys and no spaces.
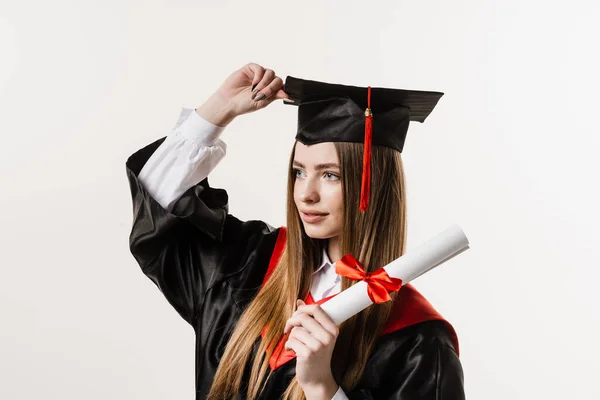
{"x":318,"y":167}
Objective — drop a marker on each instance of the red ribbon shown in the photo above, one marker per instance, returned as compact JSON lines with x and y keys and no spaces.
{"x":379,"y":283}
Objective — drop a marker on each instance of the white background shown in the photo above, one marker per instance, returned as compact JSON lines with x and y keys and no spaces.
{"x":510,"y":154}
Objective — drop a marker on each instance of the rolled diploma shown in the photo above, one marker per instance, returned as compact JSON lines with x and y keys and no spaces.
{"x":411,"y":265}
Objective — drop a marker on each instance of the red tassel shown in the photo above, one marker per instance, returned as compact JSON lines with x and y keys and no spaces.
{"x":366,"y":172}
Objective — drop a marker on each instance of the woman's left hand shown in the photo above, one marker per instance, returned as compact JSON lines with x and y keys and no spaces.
{"x":312,"y":337}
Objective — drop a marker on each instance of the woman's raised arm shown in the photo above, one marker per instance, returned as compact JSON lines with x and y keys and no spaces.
{"x":182,"y":235}
{"x":193,"y":148}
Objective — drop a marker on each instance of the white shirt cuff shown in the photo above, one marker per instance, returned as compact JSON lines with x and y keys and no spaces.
{"x":197,"y":128}
{"x":183,"y":159}
{"x":340,"y":395}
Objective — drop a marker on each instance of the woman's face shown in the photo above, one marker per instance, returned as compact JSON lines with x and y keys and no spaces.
{"x":318,"y":189}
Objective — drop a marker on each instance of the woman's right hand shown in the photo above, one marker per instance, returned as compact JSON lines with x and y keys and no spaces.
{"x":235,"y":96}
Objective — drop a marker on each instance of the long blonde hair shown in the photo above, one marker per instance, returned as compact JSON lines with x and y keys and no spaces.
{"x":362,"y":238}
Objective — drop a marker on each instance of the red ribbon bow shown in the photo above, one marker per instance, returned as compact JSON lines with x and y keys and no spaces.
{"x":379,"y":283}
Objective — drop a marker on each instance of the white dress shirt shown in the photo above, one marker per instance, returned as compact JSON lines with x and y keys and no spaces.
{"x":188,"y":155}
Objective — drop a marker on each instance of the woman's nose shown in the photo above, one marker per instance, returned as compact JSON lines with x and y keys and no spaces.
{"x":310,"y":192}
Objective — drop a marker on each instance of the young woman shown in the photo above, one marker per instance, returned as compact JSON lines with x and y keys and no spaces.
{"x":253,"y":292}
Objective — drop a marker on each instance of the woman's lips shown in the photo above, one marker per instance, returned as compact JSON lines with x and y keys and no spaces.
{"x":312,"y":218}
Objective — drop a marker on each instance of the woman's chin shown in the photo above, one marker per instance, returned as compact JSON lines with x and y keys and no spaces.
{"x":315,"y":232}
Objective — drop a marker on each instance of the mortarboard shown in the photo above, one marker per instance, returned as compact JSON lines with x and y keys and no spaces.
{"x":374,"y":116}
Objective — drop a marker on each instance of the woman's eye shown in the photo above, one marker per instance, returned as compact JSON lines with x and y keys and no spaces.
{"x":298,"y":173}
{"x":331,"y":176}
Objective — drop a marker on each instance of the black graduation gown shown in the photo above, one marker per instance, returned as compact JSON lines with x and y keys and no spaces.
{"x":209,"y":265}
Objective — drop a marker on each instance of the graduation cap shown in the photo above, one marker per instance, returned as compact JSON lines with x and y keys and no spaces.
{"x":339,"y":113}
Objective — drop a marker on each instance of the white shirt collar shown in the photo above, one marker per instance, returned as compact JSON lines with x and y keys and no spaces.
{"x":326,"y":281}
{"x":325,"y":261}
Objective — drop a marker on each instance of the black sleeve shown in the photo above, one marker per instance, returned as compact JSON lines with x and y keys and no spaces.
{"x":431,"y":373}
{"x":423,"y":368}
{"x":186,"y":251}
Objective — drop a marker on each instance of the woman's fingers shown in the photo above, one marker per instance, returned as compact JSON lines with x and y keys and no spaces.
{"x":234,"y":94}
{"x":312,"y":327}
{"x":266,"y":80}
{"x":272,"y":89}
{"x":317,"y":330}
{"x":283,"y":95}
{"x":291,"y":322}
{"x":301,"y":319}
{"x":307,"y":339}
{"x":295,"y":345}
{"x":256,"y":73}
{"x":317,"y":312}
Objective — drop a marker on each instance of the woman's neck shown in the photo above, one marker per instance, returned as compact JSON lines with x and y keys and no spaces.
{"x":334,"y":249}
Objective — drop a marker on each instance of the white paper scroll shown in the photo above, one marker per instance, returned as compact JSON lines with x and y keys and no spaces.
{"x":411,"y":265}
